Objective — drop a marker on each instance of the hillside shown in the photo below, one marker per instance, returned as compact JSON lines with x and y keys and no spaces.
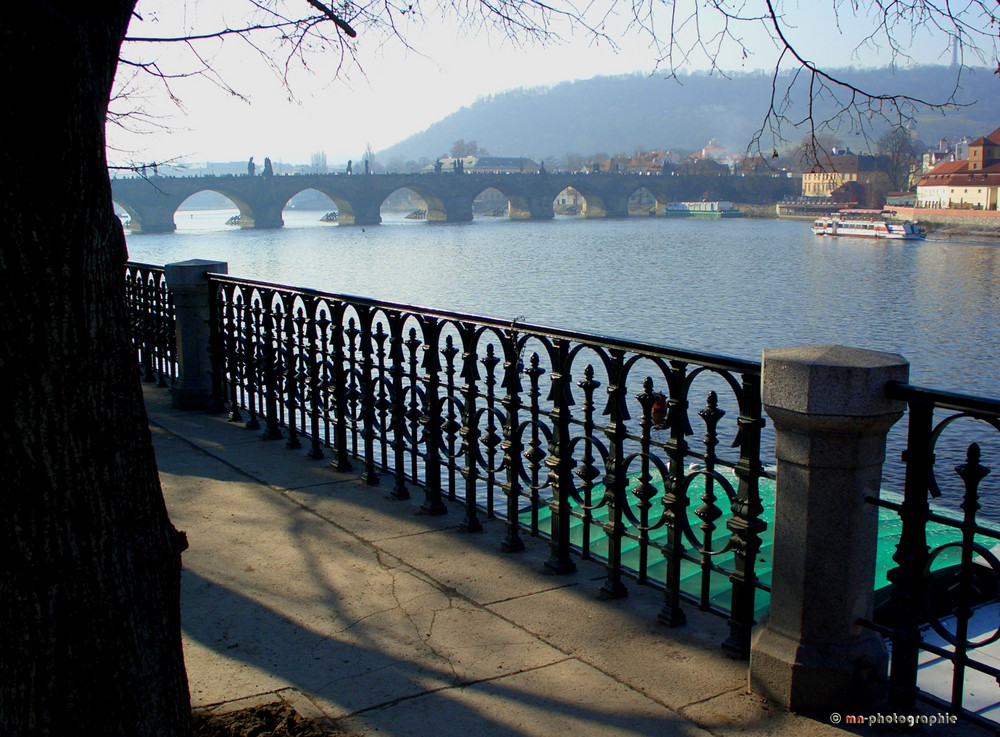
{"x":621,"y":113}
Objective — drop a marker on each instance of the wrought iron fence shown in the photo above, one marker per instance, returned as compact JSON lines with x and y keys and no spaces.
{"x":587,"y":442}
{"x":153,"y":322}
{"x":508,"y":420}
{"x":943,"y":600}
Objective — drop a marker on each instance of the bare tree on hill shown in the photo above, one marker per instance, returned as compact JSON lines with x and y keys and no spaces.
{"x":90,"y":579}
{"x":903,"y":154}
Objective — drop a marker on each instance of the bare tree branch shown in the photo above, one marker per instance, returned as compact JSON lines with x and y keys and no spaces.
{"x":680,"y":34}
{"x":337,"y":20}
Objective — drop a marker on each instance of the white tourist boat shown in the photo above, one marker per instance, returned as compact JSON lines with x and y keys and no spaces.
{"x":867,"y":224}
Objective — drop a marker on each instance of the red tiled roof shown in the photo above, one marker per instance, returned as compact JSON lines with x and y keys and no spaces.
{"x":948,"y":167}
{"x":958,"y":174}
{"x":988,"y":177}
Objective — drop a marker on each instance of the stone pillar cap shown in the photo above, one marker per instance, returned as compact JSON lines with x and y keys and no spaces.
{"x":831,"y":380}
{"x":192,"y":272}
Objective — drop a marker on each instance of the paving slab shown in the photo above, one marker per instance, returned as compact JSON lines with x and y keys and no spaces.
{"x":566,"y":698}
{"x":284,"y":596}
{"x":622,"y":638}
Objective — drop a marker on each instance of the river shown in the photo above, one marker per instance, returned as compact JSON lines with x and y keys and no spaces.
{"x":732,"y":287}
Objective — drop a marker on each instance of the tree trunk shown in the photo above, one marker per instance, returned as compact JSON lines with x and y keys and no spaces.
{"x":90,"y":582}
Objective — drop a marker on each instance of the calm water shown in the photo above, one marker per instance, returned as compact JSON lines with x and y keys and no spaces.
{"x":732,"y":287}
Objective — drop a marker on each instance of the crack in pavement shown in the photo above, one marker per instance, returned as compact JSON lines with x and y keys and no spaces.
{"x":457,"y":685}
{"x":396,"y":568}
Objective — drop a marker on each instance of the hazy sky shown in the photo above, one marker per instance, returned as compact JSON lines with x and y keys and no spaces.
{"x":402,"y":91}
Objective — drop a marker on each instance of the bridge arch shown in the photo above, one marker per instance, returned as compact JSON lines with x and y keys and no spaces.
{"x":603,"y":196}
{"x":330,"y":203}
{"x":435,"y":204}
{"x":501,"y":196}
{"x":155,"y":210}
{"x":341,"y":202}
{"x":643,"y":202}
{"x":244,"y":218}
{"x":491,"y":202}
{"x":523,"y":202}
{"x":569,"y":202}
{"x":134,"y":215}
{"x":151,"y":217}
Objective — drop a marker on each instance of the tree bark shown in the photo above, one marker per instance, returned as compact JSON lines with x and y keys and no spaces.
{"x":90,"y":576}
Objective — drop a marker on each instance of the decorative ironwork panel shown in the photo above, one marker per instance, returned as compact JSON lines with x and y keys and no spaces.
{"x":154,"y":333}
{"x":943,"y":597}
{"x":581,"y":440}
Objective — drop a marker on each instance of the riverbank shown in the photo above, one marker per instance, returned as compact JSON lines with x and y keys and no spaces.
{"x":755,"y":210}
{"x":953,"y":223}
{"x":958,"y":232}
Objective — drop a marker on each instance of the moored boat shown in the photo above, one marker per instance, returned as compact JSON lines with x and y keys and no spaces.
{"x":714,"y":209}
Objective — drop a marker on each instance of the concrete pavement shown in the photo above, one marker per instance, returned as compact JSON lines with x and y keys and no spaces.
{"x":305,"y":585}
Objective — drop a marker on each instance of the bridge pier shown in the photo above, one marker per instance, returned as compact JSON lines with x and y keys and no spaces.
{"x":456,"y":210}
{"x":532,"y":207}
{"x":266,"y":214}
{"x":154,"y":218}
{"x":362,"y":213}
{"x":607,"y":206}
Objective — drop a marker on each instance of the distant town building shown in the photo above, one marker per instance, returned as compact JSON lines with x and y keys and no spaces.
{"x":614,"y":165}
{"x":647,"y":162}
{"x":775,"y":166}
{"x":901,"y":199}
{"x":568,"y":202}
{"x":715,"y":152}
{"x":697,"y":164}
{"x":971,"y":184}
{"x":849,"y":194}
{"x":643,"y":162}
{"x":945,"y":151}
{"x":841,"y":167}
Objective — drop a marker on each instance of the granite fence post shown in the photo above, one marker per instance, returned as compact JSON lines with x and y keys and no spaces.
{"x":831,"y":416}
{"x":189,"y":291}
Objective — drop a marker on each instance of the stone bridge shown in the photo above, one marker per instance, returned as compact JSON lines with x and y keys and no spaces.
{"x":151,"y":202}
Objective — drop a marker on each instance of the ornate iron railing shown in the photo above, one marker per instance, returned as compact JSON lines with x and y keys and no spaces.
{"x":153,"y":322}
{"x":943,"y":601}
{"x":586,"y":441}
{"x":506,"y":419}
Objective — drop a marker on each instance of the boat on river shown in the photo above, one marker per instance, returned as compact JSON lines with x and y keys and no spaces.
{"x":867,"y":224}
{"x":715,"y":209}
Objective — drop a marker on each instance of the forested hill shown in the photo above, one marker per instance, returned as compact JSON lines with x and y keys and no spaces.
{"x":621,"y":113}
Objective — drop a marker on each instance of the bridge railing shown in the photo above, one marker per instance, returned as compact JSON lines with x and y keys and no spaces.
{"x":586,"y":441}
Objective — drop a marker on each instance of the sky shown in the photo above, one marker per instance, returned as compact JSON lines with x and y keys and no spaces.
{"x":400,"y":91}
